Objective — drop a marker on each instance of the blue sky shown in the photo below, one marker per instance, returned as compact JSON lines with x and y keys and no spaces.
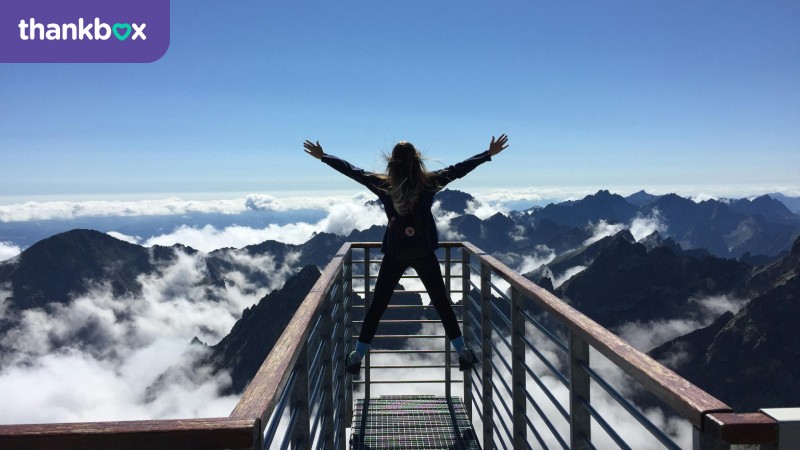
{"x":612,"y":94}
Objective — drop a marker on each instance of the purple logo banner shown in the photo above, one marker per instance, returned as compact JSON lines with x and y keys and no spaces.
{"x":83,"y":31}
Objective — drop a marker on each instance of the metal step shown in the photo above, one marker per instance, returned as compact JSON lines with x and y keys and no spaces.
{"x":412,"y":422}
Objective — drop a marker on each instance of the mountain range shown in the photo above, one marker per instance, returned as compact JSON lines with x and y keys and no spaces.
{"x":643,"y":259}
{"x":750,"y":359}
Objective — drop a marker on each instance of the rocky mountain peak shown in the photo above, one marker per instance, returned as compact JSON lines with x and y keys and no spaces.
{"x":64,"y":265}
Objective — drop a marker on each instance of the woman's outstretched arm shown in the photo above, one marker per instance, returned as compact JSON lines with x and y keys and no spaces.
{"x":369,"y":180}
{"x":456,"y":171}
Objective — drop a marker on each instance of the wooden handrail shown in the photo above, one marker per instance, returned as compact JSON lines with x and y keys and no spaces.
{"x":206,"y":434}
{"x":261,"y":395}
{"x":685,"y":398}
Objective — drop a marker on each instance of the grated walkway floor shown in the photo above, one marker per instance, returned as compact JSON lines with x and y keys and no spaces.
{"x":412,"y":422}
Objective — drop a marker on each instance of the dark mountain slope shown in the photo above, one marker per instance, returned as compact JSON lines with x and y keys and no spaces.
{"x":641,"y":198}
{"x":252,"y":337}
{"x":774,"y":274}
{"x":767,"y":207}
{"x":592,"y":208}
{"x":750,"y":360}
{"x":753,"y":360}
{"x":558,"y":237}
{"x":56,"y":268}
{"x":583,"y":256}
{"x":793,"y":203}
{"x":627,"y":283}
{"x":453,"y":200}
{"x":712,"y":225}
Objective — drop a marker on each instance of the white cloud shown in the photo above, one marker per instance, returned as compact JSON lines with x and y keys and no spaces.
{"x":494,"y":200}
{"x":443,"y":218}
{"x":602,"y":229}
{"x":95,"y":357}
{"x":558,"y":280}
{"x":641,"y":227}
{"x":73,"y":386}
{"x":8,"y":250}
{"x":543,"y":255}
{"x":483,"y":210}
{"x":719,"y":304}
{"x":342,"y":218}
{"x":703,"y":196}
{"x":173,"y":206}
{"x":209,"y":238}
{"x":530,"y":196}
{"x":646,"y":336}
{"x":5,"y":293}
{"x":124,"y":237}
{"x":22,"y":212}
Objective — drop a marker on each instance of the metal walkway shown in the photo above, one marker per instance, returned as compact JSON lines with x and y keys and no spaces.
{"x":412,"y":422}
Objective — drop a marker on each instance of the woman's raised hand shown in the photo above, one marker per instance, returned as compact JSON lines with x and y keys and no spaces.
{"x":313,"y":149}
{"x":499,"y":145}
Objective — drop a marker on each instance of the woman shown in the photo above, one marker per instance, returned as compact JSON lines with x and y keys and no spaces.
{"x":406,"y":191}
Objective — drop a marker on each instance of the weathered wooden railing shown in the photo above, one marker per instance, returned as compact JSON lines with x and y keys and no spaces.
{"x":301,"y":396}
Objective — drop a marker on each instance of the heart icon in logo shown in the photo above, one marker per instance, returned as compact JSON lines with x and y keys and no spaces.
{"x":126,"y":27}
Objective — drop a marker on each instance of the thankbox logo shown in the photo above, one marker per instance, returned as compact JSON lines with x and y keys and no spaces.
{"x":83,"y":30}
{"x":32,"y":30}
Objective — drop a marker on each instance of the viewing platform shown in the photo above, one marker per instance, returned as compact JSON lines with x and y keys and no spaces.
{"x":546,"y":376}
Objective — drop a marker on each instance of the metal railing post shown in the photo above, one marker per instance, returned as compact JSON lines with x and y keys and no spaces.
{"x":704,"y":441}
{"x":345,"y":319}
{"x":579,"y":385}
{"x":344,"y":382}
{"x":447,"y":353}
{"x":465,"y":290}
{"x":366,"y":308}
{"x":486,"y":351}
{"x":326,"y":356}
{"x":788,"y":421}
{"x":518,"y":370}
{"x":299,"y":403}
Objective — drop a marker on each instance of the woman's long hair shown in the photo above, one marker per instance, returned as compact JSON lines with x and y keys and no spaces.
{"x":406,"y":177}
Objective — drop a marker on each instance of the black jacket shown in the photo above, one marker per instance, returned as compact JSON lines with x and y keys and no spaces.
{"x":422,"y":209}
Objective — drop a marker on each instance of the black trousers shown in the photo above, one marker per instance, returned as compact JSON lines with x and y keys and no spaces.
{"x":430,"y":274}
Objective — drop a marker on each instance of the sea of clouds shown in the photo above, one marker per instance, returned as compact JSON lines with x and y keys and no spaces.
{"x":137,"y":338}
{"x":97,"y":357}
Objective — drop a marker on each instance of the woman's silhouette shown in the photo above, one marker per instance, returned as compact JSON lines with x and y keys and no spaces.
{"x":406,"y":190}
